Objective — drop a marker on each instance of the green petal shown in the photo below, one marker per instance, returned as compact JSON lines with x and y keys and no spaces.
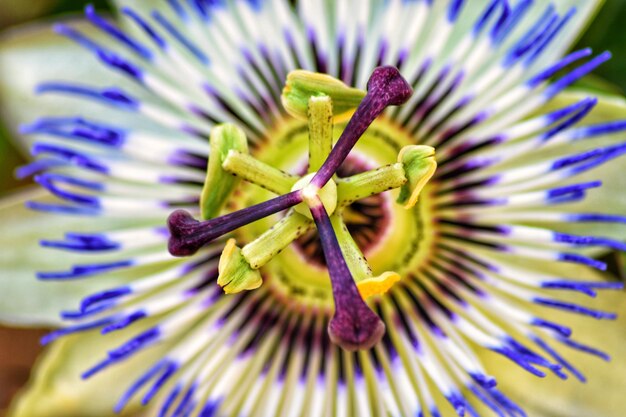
{"x":595,"y":84}
{"x":24,"y":300}
{"x":603,"y":394}
{"x":32,"y":54}
{"x":57,"y":390}
{"x":586,"y":10}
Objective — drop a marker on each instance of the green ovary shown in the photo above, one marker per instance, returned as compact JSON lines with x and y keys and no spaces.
{"x":402,"y":241}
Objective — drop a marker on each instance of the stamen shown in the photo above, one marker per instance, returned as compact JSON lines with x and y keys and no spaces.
{"x":354,"y":326}
{"x":302,"y":85}
{"x":236,"y":275}
{"x":369,"y":183}
{"x":320,"y":115}
{"x":367,"y":284}
{"x":419,"y":165}
{"x":256,"y":172}
{"x":269,"y":244}
{"x":219,"y":184}
{"x":385,"y":87}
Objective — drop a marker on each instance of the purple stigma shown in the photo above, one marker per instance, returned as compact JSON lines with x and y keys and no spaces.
{"x":354,"y":326}
{"x":187,"y":234}
{"x":386,"y":87}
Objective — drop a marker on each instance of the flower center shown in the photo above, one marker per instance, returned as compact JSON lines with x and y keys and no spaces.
{"x":310,"y":96}
{"x":367,"y":220}
{"x":328,"y":195}
{"x":391,"y":237}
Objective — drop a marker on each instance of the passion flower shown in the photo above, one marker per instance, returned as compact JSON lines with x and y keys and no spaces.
{"x":269,"y":258}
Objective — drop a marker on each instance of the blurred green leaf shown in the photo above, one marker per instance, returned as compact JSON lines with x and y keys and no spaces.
{"x":9,"y":159}
{"x":607,"y":33}
{"x":65,"y":6}
{"x":17,"y":11}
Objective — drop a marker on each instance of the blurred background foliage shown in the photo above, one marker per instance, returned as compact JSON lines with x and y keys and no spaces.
{"x":607,"y":32}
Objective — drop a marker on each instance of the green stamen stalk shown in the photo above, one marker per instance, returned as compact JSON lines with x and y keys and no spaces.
{"x":320,"y":115}
{"x":369,"y":183}
{"x":366,"y":282}
{"x":269,"y":244}
{"x":256,"y":172}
